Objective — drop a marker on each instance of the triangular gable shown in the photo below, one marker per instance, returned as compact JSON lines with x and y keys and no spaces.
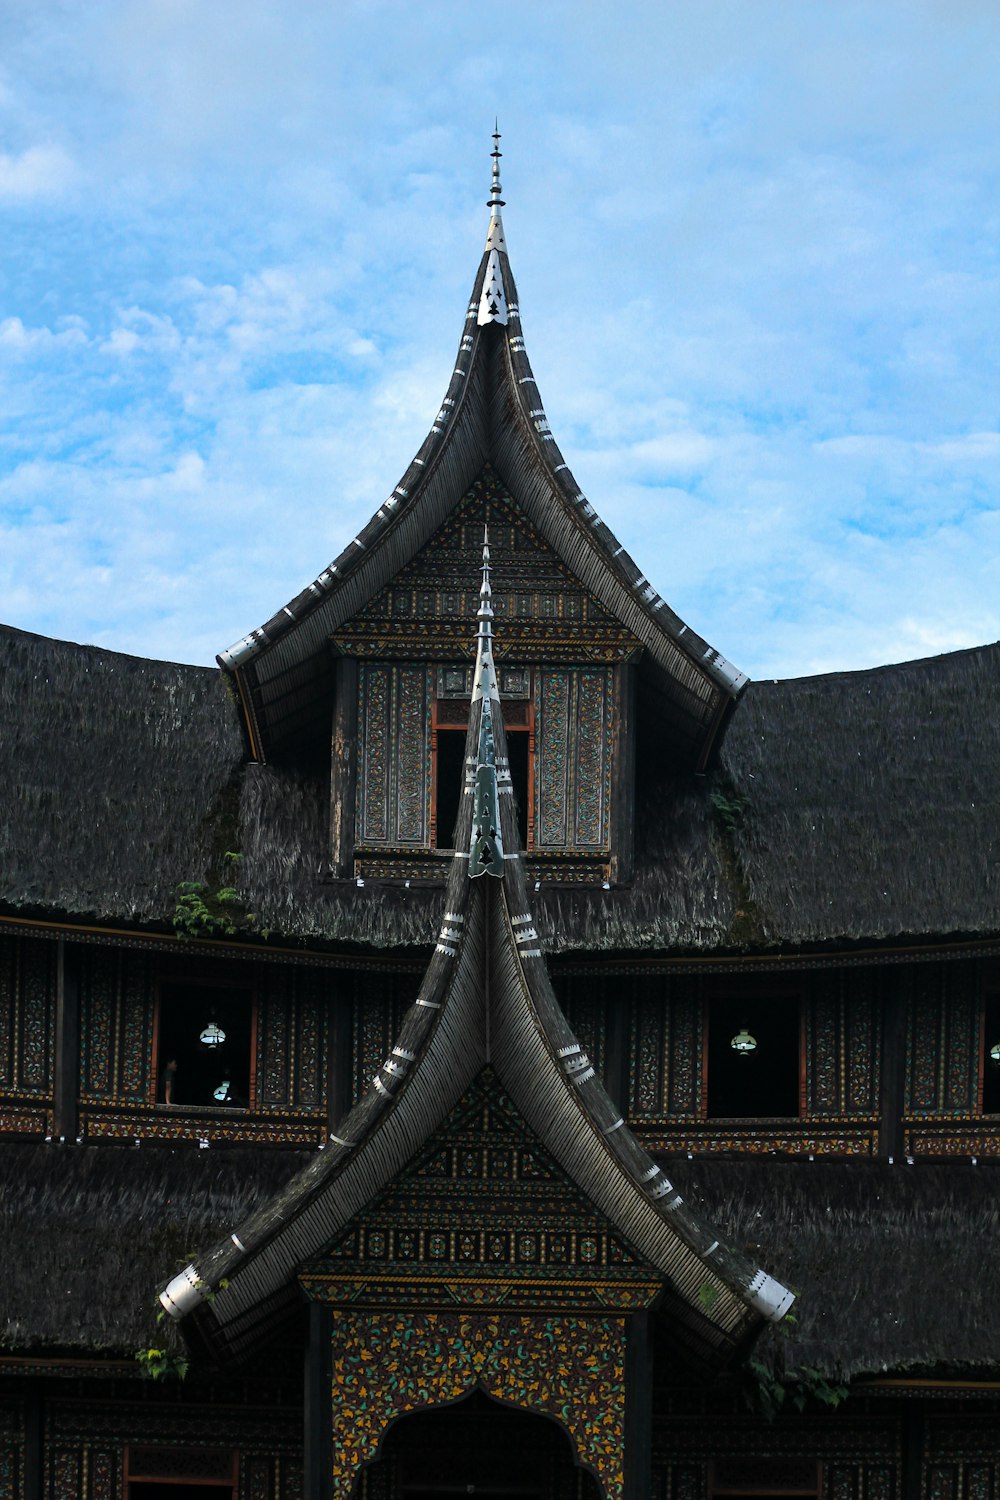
{"x":545,"y":611}
{"x":482,"y":1216}
{"x":491,"y":414}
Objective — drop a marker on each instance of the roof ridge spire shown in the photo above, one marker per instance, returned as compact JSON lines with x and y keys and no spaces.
{"x":486,"y":847}
{"x":493,"y":294}
{"x":494,"y":201}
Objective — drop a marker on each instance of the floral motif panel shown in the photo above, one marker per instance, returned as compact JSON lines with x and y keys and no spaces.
{"x":569,"y":1368}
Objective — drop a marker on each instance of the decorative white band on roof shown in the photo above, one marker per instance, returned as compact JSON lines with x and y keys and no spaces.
{"x":404,"y":1054}
{"x":237,"y":1241}
{"x":582,"y":1077}
{"x":183,"y":1293}
{"x":381,"y":1087}
{"x":712,"y":1248}
{"x":563,"y":1051}
{"x":429,"y":1004}
{"x":769,"y":1297}
{"x":446,"y":949}
{"x":519,"y":922}
{"x":338,"y":1140}
{"x":654,"y":1171}
{"x":453,"y":916}
{"x":610,"y":1129}
{"x":359,"y":543}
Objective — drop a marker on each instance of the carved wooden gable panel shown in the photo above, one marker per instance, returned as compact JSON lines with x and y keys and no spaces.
{"x":561,"y":657}
{"x":482,"y":1206}
{"x":543,"y":612}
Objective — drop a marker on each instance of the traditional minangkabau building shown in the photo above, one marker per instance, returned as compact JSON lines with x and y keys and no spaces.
{"x":477,"y":1043}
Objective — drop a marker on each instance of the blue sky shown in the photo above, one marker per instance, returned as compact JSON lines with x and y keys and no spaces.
{"x":756,"y":247}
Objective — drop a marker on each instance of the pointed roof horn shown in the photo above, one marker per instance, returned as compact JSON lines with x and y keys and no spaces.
{"x":493,"y":294}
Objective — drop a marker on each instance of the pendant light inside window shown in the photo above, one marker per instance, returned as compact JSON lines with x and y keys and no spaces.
{"x":743,"y":1044}
{"x":213,"y":1035}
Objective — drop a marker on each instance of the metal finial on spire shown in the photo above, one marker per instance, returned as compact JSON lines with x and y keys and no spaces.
{"x":495,"y":200}
{"x":486,"y":848}
{"x":492,"y":293}
{"x":484,"y":684}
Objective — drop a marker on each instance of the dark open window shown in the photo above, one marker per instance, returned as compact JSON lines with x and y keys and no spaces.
{"x":753,"y":1057}
{"x":204,"y":1045}
{"x":448,"y":781}
{"x":991,"y":1058}
{"x":450,"y":727}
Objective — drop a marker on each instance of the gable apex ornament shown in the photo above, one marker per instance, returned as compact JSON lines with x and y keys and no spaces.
{"x":493,"y":294}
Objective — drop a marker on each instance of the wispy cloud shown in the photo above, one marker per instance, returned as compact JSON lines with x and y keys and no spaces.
{"x":761,"y":301}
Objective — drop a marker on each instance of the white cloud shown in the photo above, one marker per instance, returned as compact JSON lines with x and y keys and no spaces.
{"x":39,"y":172}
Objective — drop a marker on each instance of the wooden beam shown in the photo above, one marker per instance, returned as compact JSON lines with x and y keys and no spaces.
{"x":318,"y":1466}
{"x":343,"y":767}
{"x":638,"y":1463}
{"x":66,"y":1111}
{"x":623,"y":777}
{"x":892,"y":1083}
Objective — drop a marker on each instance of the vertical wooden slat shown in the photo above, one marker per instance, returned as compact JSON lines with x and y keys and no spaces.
{"x":343,"y":767}
{"x":66,"y":1111}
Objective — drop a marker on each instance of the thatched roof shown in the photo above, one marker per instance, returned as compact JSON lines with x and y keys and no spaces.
{"x":88,"y":1232}
{"x":895,"y":1266}
{"x":859,"y":806}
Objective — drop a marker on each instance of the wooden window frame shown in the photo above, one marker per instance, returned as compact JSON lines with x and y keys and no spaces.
{"x":445,"y":721}
{"x":753,"y":991}
{"x":989,"y":1001}
{"x":205,"y":981}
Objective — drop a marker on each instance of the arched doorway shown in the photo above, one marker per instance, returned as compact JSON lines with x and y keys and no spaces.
{"x":476,"y":1448}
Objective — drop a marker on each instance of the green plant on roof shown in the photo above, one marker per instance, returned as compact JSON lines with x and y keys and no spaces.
{"x":202,"y":912}
{"x":161,"y":1364}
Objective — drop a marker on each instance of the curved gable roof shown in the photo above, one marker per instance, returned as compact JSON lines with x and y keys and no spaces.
{"x":491,"y":413}
{"x":485,"y":1002}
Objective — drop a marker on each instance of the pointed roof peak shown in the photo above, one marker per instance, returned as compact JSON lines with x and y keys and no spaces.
{"x":492,"y":293}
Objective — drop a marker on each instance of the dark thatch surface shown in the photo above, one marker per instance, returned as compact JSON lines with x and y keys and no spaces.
{"x":114,"y":774}
{"x":896,"y":1267}
{"x":859,"y":806}
{"x":90,"y":1233}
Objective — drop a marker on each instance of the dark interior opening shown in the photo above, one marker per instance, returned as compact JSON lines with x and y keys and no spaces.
{"x":991,"y":1069}
{"x":763,"y":1082}
{"x":480,"y":1448}
{"x":204,"y":1074}
{"x":448,"y":789}
{"x":517,"y":752}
